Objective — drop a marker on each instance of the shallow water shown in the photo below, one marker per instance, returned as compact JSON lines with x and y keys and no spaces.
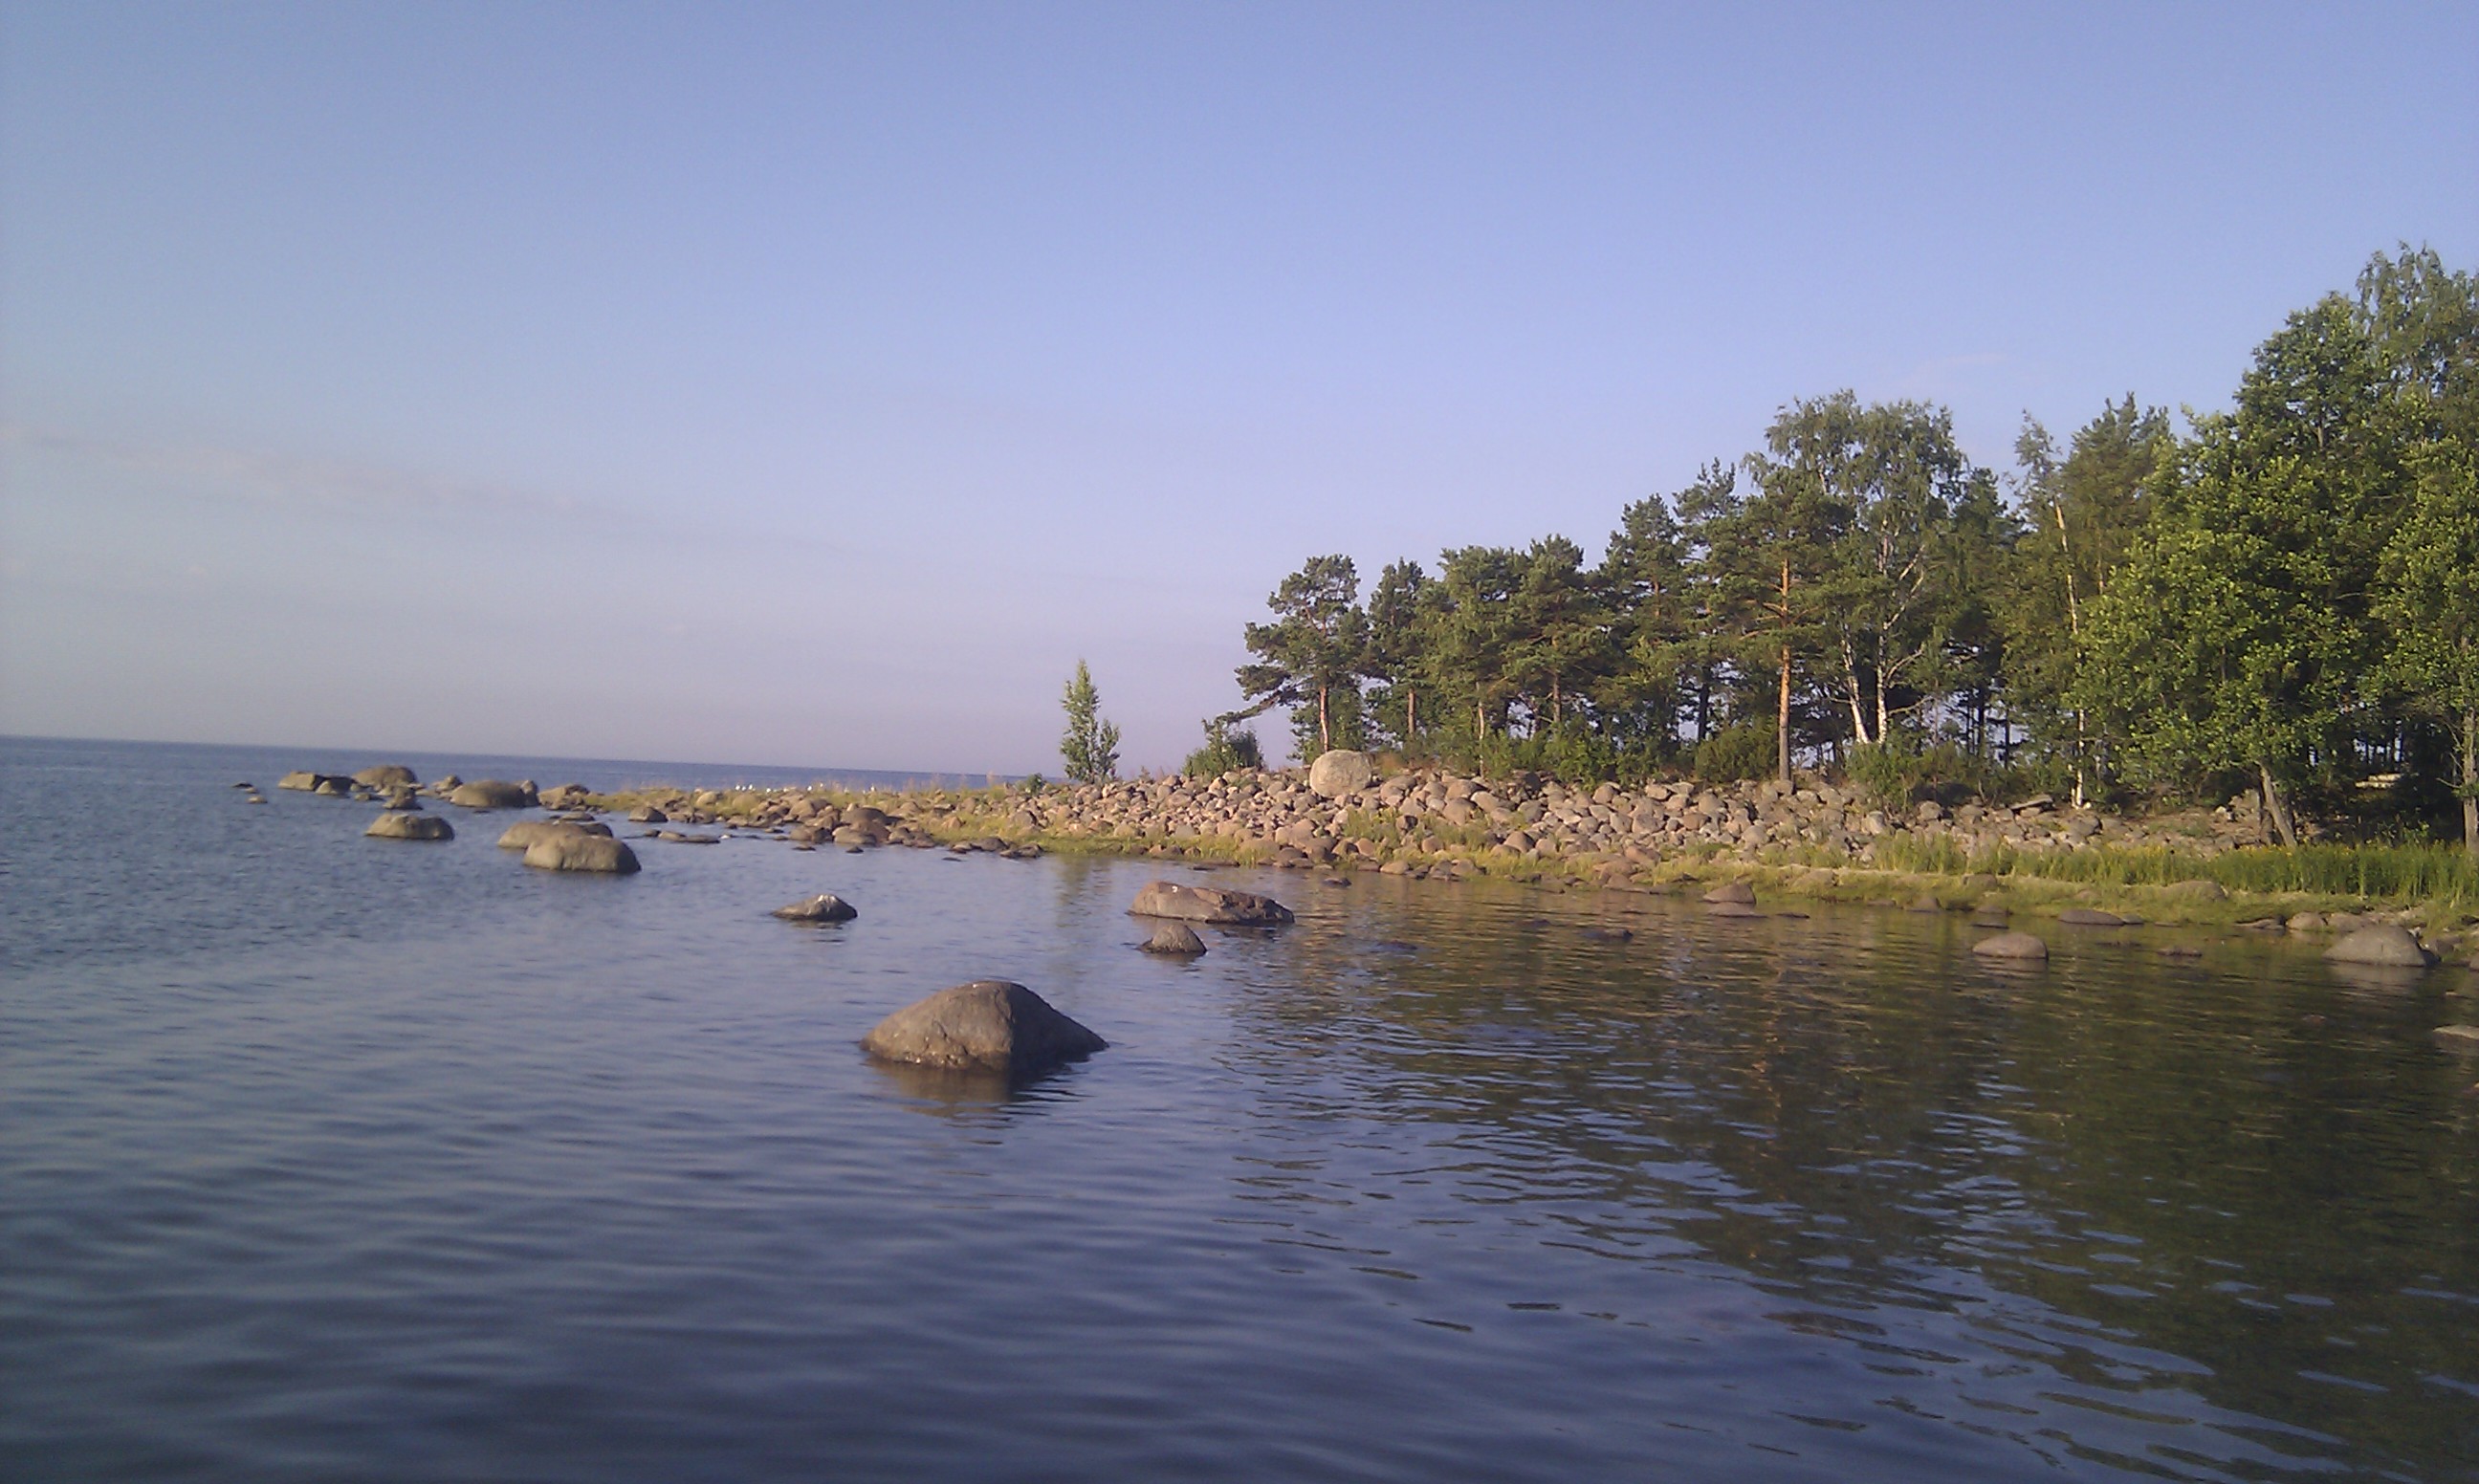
{"x":330,"y":1157}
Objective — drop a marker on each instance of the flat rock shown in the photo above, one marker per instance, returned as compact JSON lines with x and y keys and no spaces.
{"x":824,"y":906}
{"x":1175,"y":939}
{"x":1339,"y":771}
{"x":492,"y":793}
{"x":397,"y":824}
{"x":581,"y":851}
{"x":2090,"y":917}
{"x":2020,"y":946}
{"x":990,"y":1024}
{"x":2465,"y":1037}
{"x":1208,"y":905}
{"x":1733,"y":893}
{"x":523,"y":836}
{"x":2383,"y":944}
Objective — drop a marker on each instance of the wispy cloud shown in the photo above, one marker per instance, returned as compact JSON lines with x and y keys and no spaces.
{"x":258,"y":477}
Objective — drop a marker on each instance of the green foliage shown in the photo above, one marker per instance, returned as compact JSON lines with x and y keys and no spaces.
{"x":1316,"y":647}
{"x":1735,"y":753}
{"x":2283,"y":595}
{"x":1224,"y":751}
{"x":1090,"y":745}
{"x":2401,"y":873}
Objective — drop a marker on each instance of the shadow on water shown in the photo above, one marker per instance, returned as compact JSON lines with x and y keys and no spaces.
{"x":972,"y":1095}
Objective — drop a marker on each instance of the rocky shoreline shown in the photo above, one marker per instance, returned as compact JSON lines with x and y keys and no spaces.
{"x":1812,"y":839}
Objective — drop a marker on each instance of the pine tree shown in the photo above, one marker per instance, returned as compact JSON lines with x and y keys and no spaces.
{"x":1090,"y":745}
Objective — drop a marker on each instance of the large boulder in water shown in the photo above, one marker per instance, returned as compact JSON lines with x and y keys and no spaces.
{"x":1209,"y":904}
{"x":385,"y":775}
{"x":524,"y":835}
{"x":581,"y":851}
{"x":2386,"y":945}
{"x":1339,"y":772}
{"x":1732,"y":894}
{"x":824,"y":906}
{"x":989,"y":1025}
{"x":301,"y":780}
{"x":402,"y":826}
{"x":491,"y":793}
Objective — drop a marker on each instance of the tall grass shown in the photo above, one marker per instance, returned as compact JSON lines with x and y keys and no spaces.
{"x":2441,"y":873}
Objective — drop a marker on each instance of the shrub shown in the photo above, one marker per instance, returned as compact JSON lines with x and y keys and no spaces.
{"x":1736,"y":753}
{"x":1224,"y":751}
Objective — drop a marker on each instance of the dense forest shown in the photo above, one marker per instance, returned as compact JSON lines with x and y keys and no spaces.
{"x":2282,"y":599}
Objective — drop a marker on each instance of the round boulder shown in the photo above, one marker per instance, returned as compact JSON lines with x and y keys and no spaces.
{"x":581,"y":851}
{"x":989,"y":1025}
{"x":399,"y":825}
{"x":824,"y":906}
{"x":492,"y":793}
{"x":1731,"y":893}
{"x":385,"y":775}
{"x":1339,"y":772}
{"x":1175,"y":940}
{"x":2090,"y":917}
{"x":2386,"y":945}
{"x":2018,"y":946}
{"x":524,"y":835}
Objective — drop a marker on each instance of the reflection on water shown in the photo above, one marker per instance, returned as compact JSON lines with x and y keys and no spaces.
{"x":413,"y":1164}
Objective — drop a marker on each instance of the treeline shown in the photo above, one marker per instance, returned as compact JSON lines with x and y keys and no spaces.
{"x":2283,"y":597}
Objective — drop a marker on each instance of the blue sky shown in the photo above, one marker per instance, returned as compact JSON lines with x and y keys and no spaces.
{"x":815,"y":384}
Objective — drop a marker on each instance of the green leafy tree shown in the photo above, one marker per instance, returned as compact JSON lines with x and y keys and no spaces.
{"x":2233,"y":635}
{"x":1656,"y":635}
{"x":1472,"y":631}
{"x":1772,"y":552}
{"x":1090,"y":745}
{"x":1313,"y":651}
{"x":2080,"y":513}
{"x":2428,"y":606}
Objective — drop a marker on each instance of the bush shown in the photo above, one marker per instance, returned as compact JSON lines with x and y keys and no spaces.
{"x":1736,"y":753}
{"x":1224,"y":751}
{"x":1888,"y":773}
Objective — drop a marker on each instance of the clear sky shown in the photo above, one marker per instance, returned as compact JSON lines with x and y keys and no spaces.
{"x":814,"y":384}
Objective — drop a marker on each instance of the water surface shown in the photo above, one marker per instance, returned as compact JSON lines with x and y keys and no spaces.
{"x":330,"y":1157}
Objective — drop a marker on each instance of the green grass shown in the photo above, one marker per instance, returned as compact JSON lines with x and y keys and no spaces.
{"x":2407,"y":873}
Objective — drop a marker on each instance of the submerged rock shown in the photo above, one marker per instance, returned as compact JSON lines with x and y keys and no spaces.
{"x":2020,"y":946}
{"x":581,"y":851}
{"x":1208,"y":905}
{"x":991,"y":1024}
{"x":397,"y":824}
{"x":2385,"y":944}
{"x":2090,"y":917}
{"x":1177,"y":939}
{"x":824,"y":906}
{"x":524,"y":835}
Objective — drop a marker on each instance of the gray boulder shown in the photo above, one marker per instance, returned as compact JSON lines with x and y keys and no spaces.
{"x":2090,"y":917}
{"x":648,"y":814}
{"x":1176,"y":940}
{"x":399,"y":825}
{"x":565,"y":796}
{"x":2018,"y":946}
{"x":1731,"y":893}
{"x":2385,"y":944}
{"x":492,"y":793}
{"x":524,"y":835}
{"x":1339,"y":772}
{"x":581,"y":851}
{"x":1208,"y":905}
{"x":989,"y":1025}
{"x":301,"y":780}
{"x":385,"y":775}
{"x":824,"y":906}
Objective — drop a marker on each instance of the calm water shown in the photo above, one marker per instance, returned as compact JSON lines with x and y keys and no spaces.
{"x":324,"y":1157}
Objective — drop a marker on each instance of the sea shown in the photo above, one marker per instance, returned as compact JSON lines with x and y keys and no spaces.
{"x":324,"y":1156}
